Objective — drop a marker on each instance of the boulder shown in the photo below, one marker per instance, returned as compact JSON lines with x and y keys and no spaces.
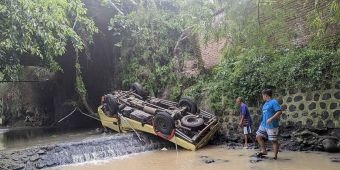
{"x":336,"y":132}
{"x":330,"y":145}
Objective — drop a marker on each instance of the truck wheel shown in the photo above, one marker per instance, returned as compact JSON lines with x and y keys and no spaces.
{"x":189,"y":104}
{"x":192,"y":121}
{"x":138,"y":89}
{"x":110,"y":104}
{"x":164,"y":123}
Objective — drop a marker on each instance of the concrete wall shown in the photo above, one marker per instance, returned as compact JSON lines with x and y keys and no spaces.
{"x":310,"y":109}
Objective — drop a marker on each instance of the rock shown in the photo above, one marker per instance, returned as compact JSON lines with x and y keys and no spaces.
{"x":289,"y":99}
{"x":295,"y":115}
{"x":285,"y":135}
{"x":330,"y":124}
{"x":309,"y":96}
{"x":323,"y":105}
{"x":333,"y":105}
{"x":40,"y":165}
{"x":41,"y":151}
{"x":35,"y":157}
{"x":326,"y":96}
{"x":209,"y":161}
{"x":15,"y":159}
{"x":51,"y":163}
{"x":316,"y":97}
{"x":337,"y":85}
{"x":330,"y":145}
{"x":299,"y":140}
{"x":312,"y":106}
{"x":24,"y":159}
{"x":30,"y":153}
{"x":324,"y":115}
{"x":99,"y":130}
{"x":292,"y":108}
{"x":336,"y":114}
{"x":18,"y":167}
{"x":337,"y":95}
{"x":298,"y":98}
{"x":293,"y":91}
{"x":314,"y":114}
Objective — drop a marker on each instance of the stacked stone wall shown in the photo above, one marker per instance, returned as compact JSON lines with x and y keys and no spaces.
{"x":312,"y":109}
{"x":318,"y":109}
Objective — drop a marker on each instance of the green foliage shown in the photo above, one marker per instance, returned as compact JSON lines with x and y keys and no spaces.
{"x":149,"y":31}
{"x":245,"y":73}
{"x":260,"y":52}
{"x":41,"y":28}
{"x":323,"y":21}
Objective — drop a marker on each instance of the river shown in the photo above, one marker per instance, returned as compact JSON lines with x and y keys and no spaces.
{"x":19,"y":138}
{"x":210,"y":157}
{"x":214,"y":157}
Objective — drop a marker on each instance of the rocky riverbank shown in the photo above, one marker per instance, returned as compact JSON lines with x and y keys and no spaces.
{"x":107,"y":146}
{"x":291,"y":138}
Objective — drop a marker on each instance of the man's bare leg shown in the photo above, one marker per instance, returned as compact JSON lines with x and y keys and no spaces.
{"x":262,"y":144}
{"x":246,"y":141}
{"x":276,"y":146}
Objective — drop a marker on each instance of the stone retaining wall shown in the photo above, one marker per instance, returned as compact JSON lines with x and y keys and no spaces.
{"x":311,"y":109}
{"x":317,"y":109}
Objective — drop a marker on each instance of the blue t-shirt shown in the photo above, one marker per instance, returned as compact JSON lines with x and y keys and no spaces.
{"x":245,"y":112}
{"x":268,"y":110}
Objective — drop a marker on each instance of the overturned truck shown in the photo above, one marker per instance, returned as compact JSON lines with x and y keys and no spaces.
{"x":180,"y":122}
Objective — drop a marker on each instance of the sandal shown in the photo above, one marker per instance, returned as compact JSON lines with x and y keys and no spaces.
{"x":260,"y":154}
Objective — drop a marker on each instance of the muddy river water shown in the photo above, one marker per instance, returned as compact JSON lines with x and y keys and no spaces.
{"x":217,"y":158}
{"x":30,"y":137}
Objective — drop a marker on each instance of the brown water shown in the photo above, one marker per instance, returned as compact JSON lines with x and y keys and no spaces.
{"x":223,"y":159}
{"x":30,"y":137}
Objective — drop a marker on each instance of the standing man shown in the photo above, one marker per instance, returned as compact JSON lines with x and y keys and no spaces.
{"x":269,"y":128}
{"x":245,"y":120}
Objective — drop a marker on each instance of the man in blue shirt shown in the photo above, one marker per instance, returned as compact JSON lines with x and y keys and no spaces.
{"x":269,"y":128}
{"x":245,"y":120}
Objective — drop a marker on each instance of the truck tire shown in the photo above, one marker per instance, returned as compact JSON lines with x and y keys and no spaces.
{"x":164,"y":123}
{"x":138,"y":89}
{"x":189,"y":104}
{"x":110,"y":105}
{"x":192,"y":121}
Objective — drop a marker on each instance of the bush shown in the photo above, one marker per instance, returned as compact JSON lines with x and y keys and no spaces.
{"x":246,"y":72}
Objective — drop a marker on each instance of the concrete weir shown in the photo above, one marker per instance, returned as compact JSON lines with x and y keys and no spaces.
{"x":105,"y":147}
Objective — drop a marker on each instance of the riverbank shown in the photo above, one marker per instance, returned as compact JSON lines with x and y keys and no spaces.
{"x":291,"y":139}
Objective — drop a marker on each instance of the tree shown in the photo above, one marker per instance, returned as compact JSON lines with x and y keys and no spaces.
{"x":155,"y":38}
{"x":42,"y":29}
